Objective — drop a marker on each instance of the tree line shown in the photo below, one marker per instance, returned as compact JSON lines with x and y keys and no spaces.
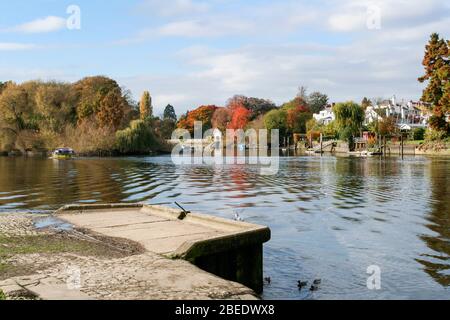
{"x":243,"y":112}
{"x":96,"y":116}
{"x":93,"y":116}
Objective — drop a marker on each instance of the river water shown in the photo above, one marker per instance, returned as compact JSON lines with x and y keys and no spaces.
{"x":331,"y":217}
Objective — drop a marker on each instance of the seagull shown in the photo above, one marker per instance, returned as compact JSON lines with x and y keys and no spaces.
{"x":237,"y":217}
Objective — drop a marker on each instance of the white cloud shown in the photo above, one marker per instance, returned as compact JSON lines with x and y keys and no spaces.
{"x":352,"y":71}
{"x":347,"y":21}
{"x":198,"y":29}
{"x":44,"y":25}
{"x":173,"y":8}
{"x":11,"y":46}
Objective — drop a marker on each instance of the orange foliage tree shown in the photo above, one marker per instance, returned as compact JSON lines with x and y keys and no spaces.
{"x":203,"y":114}
{"x":297,"y":118}
{"x":240,"y":118}
{"x":240,"y":115}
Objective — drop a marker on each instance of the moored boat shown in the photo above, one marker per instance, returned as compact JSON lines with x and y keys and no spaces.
{"x":63,"y":153}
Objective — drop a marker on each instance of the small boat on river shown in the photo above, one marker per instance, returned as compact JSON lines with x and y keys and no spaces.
{"x":63,"y":153}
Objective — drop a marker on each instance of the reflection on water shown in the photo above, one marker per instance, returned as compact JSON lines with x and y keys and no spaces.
{"x":331,"y":217}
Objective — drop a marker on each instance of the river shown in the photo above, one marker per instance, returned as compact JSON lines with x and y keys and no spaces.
{"x":331,"y":217}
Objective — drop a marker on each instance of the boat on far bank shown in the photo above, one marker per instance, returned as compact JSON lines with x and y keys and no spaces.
{"x":63,"y":153}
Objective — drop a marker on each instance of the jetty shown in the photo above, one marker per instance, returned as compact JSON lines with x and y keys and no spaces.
{"x":230,"y":249}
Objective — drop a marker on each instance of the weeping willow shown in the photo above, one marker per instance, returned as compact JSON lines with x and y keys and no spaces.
{"x":137,"y":138}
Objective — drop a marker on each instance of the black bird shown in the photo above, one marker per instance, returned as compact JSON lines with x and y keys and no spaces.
{"x":183,"y":214}
{"x":268,"y":280}
{"x":314,"y":288}
{"x":302,"y":284}
{"x":317,"y":281}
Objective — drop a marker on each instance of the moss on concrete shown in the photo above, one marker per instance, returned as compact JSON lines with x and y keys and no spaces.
{"x":49,"y":243}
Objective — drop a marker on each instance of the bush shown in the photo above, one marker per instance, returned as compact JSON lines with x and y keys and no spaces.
{"x":2,"y":295}
{"x":89,"y":139}
{"x":418,"y":134}
{"x":435,"y":135}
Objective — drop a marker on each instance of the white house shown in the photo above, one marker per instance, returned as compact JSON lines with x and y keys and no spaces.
{"x":407,"y":115}
{"x":325,"y":116}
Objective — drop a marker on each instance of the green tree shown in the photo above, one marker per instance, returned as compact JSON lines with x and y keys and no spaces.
{"x":317,"y":102}
{"x":277,"y":119}
{"x":145,"y":106}
{"x":169,"y":113}
{"x":349,"y":119}
{"x":437,"y":75}
{"x":166,"y":127}
{"x":138,"y":138}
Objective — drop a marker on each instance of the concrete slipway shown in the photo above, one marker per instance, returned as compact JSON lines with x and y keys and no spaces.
{"x":229,"y":249}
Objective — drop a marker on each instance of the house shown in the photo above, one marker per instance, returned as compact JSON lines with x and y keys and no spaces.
{"x":325,"y":116}
{"x":407,"y":115}
{"x":372,"y":115}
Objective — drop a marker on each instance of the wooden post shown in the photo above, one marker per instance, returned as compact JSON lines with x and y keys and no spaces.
{"x":321,"y":143}
{"x":401,"y":144}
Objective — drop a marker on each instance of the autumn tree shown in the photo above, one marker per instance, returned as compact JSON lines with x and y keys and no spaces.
{"x":202,"y":114}
{"x":2,"y":86}
{"x":169,"y":113}
{"x":145,"y":106}
{"x":90,"y":92}
{"x":18,"y":121}
{"x":221,"y":119}
{"x":38,"y":115}
{"x":14,"y":108}
{"x":55,"y":103}
{"x":296,"y":119}
{"x":111,"y":110}
{"x":297,"y":103}
{"x":239,"y":118}
{"x":387,"y":126}
{"x":317,"y":102}
{"x":256,"y":106}
{"x":437,"y":75}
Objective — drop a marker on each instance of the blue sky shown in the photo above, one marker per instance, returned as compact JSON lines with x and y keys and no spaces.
{"x":192,"y":52}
